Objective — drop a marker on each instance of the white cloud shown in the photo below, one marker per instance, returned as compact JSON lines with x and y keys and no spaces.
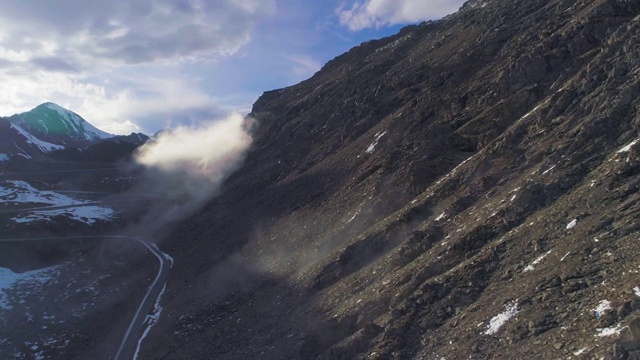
{"x":120,"y":63}
{"x":304,"y":66}
{"x":153,"y":97}
{"x":378,"y":13}
{"x":118,"y":101}
{"x":138,"y":31}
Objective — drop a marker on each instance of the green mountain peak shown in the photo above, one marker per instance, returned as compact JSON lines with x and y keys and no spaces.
{"x":51,"y":122}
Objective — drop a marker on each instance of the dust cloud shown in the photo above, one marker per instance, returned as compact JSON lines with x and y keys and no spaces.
{"x":186,"y":166}
{"x":208,"y":153}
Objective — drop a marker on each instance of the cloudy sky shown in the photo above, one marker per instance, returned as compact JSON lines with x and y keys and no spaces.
{"x":145,"y":65}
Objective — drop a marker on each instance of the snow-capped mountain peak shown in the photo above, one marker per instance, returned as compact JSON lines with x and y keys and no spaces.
{"x":46,"y":128}
{"x":53,"y":123}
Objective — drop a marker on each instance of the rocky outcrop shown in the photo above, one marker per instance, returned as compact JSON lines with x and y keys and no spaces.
{"x":466,"y":188}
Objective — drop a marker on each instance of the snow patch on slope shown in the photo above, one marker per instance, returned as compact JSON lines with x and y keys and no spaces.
{"x":375,"y":142}
{"x":497,"y":321}
{"x":42,"y":145}
{"x":16,"y":191}
{"x":9,"y":280}
{"x":84,"y":214}
{"x":21,"y":192}
{"x":628,"y":147}
{"x":89,"y":131}
{"x":530,"y":267}
{"x":610,"y":331}
{"x":603,"y":306}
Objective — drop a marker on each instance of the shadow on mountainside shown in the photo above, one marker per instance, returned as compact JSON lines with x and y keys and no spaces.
{"x":513,"y":251}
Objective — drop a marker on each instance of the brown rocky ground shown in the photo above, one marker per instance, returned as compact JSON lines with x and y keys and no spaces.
{"x":421,"y":190}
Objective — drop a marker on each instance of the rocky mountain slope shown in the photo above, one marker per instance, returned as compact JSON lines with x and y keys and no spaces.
{"x":467,"y":188}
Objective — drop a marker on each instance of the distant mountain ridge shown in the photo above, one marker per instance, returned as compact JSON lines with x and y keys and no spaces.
{"x":49,"y":128}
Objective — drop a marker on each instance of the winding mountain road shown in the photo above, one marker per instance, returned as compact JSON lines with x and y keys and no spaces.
{"x":133,"y":335}
{"x":131,"y":338}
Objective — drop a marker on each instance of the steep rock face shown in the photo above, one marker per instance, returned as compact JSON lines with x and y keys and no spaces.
{"x":466,"y":188}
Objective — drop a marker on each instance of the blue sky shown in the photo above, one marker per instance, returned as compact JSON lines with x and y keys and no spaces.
{"x":145,"y":65}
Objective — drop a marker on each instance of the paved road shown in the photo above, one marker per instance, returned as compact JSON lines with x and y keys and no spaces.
{"x":132,"y":336}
